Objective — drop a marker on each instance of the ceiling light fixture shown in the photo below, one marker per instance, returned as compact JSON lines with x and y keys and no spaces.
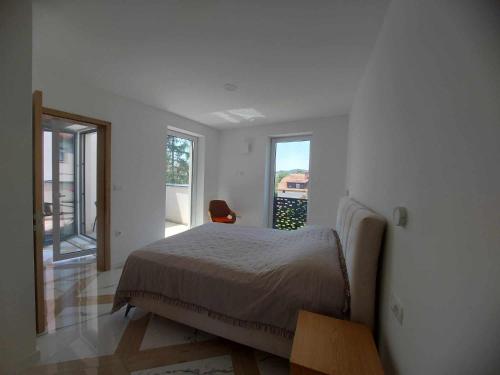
{"x":249,"y":114}
{"x":226,"y":116}
{"x":239,"y":114}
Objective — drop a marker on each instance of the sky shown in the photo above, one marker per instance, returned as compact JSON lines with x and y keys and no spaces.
{"x":292,"y":155}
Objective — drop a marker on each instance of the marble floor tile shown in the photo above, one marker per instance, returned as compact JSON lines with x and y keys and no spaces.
{"x":104,"y":283}
{"x":58,"y":288}
{"x":164,"y":332}
{"x":84,"y":338}
{"x":210,"y":366}
{"x":93,"y":335}
{"x":72,"y":315}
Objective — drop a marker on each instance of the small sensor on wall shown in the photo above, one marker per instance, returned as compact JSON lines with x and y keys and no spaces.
{"x":400,"y":216}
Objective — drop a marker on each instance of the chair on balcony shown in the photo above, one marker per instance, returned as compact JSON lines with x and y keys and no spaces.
{"x":220,"y":212}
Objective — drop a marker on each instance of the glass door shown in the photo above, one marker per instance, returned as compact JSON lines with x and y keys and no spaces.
{"x":88,"y":184}
{"x":180,"y":182}
{"x":64,"y":196}
{"x":65,"y":179}
{"x":289,"y":188}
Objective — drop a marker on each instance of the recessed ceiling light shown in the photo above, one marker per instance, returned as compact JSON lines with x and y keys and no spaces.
{"x":249,"y":114}
{"x":239,"y":114}
{"x":226,"y":117}
{"x":230,"y":87}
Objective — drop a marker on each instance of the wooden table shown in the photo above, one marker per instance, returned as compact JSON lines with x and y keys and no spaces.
{"x":325,"y":345}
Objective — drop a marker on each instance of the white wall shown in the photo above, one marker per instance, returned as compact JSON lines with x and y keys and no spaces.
{"x":424,"y":133}
{"x":137,"y":156}
{"x":17,"y":300}
{"x":243,"y":178}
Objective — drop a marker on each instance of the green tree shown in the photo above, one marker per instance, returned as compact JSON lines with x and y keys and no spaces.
{"x":178,"y":156}
{"x":279,"y":177}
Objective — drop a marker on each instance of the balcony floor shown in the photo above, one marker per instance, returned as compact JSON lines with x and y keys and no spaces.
{"x":174,"y":228}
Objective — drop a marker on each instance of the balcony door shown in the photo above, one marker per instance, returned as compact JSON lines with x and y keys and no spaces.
{"x":71,"y":193}
{"x":69,"y":188}
{"x":289,"y":182}
{"x":180,"y":183}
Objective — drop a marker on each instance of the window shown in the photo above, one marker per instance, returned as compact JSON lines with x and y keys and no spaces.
{"x":180,"y":181}
{"x":178,"y":160}
{"x":289,"y":182}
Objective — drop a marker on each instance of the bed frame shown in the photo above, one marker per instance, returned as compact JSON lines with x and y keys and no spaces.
{"x":360,"y":231}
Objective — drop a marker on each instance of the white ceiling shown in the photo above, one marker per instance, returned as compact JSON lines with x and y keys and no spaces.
{"x":289,"y":59}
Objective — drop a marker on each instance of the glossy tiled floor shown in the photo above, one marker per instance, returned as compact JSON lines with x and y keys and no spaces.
{"x":71,"y":245}
{"x":84,"y":338}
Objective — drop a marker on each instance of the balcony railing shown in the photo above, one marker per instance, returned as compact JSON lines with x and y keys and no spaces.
{"x":289,"y":213}
{"x":177,"y":203}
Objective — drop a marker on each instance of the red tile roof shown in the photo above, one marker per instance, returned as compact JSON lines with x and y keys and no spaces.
{"x":298,"y":178}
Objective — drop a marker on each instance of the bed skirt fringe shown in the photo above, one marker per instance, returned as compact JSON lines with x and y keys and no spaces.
{"x":123,"y":297}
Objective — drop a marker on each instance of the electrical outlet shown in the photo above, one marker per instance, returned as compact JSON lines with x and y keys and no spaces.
{"x":396,"y":308}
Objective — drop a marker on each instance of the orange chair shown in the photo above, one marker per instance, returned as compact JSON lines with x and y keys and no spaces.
{"x":220,"y":212}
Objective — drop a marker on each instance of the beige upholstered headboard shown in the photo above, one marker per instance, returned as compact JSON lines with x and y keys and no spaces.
{"x":360,"y":231}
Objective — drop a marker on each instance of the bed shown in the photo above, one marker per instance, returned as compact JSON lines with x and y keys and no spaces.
{"x":247,"y":284}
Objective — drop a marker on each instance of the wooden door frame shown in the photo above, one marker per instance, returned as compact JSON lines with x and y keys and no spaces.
{"x":103,"y":195}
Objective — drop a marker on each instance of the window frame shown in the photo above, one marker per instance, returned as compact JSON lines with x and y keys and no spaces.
{"x":274,"y":140}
